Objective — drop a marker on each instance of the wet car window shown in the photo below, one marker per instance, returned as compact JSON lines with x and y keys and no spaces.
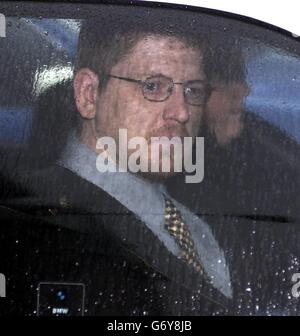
{"x":82,"y":232}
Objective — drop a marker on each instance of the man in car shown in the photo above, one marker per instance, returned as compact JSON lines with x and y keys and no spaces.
{"x":136,"y":249}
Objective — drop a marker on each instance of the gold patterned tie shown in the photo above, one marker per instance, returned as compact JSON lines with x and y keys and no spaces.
{"x":176,"y":226}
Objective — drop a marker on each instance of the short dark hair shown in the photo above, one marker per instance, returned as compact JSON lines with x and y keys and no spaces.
{"x":104,"y":40}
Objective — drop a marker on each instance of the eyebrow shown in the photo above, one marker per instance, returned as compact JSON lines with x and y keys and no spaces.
{"x":155,"y":74}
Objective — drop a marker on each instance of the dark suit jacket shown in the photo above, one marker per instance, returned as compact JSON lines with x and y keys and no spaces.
{"x":61,"y":228}
{"x":250,"y":198}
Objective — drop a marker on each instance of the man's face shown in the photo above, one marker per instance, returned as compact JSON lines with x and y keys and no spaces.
{"x":225,"y":111}
{"x":122,"y":105}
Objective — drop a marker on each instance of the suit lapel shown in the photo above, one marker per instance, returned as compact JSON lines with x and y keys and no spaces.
{"x":75,"y":200}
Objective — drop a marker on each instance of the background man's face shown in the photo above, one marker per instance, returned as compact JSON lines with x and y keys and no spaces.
{"x":122,"y":105}
{"x":225,"y":111}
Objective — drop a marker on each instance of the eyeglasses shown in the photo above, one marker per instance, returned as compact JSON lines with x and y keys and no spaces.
{"x":159,"y":88}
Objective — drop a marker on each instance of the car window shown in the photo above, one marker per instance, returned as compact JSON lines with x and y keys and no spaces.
{"x":94,"y":244}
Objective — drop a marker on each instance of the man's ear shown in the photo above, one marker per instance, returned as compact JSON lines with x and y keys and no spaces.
{"x":86,"y":85}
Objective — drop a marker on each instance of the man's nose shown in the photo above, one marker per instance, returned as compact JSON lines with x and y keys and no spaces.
{"x":176,"y":107}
